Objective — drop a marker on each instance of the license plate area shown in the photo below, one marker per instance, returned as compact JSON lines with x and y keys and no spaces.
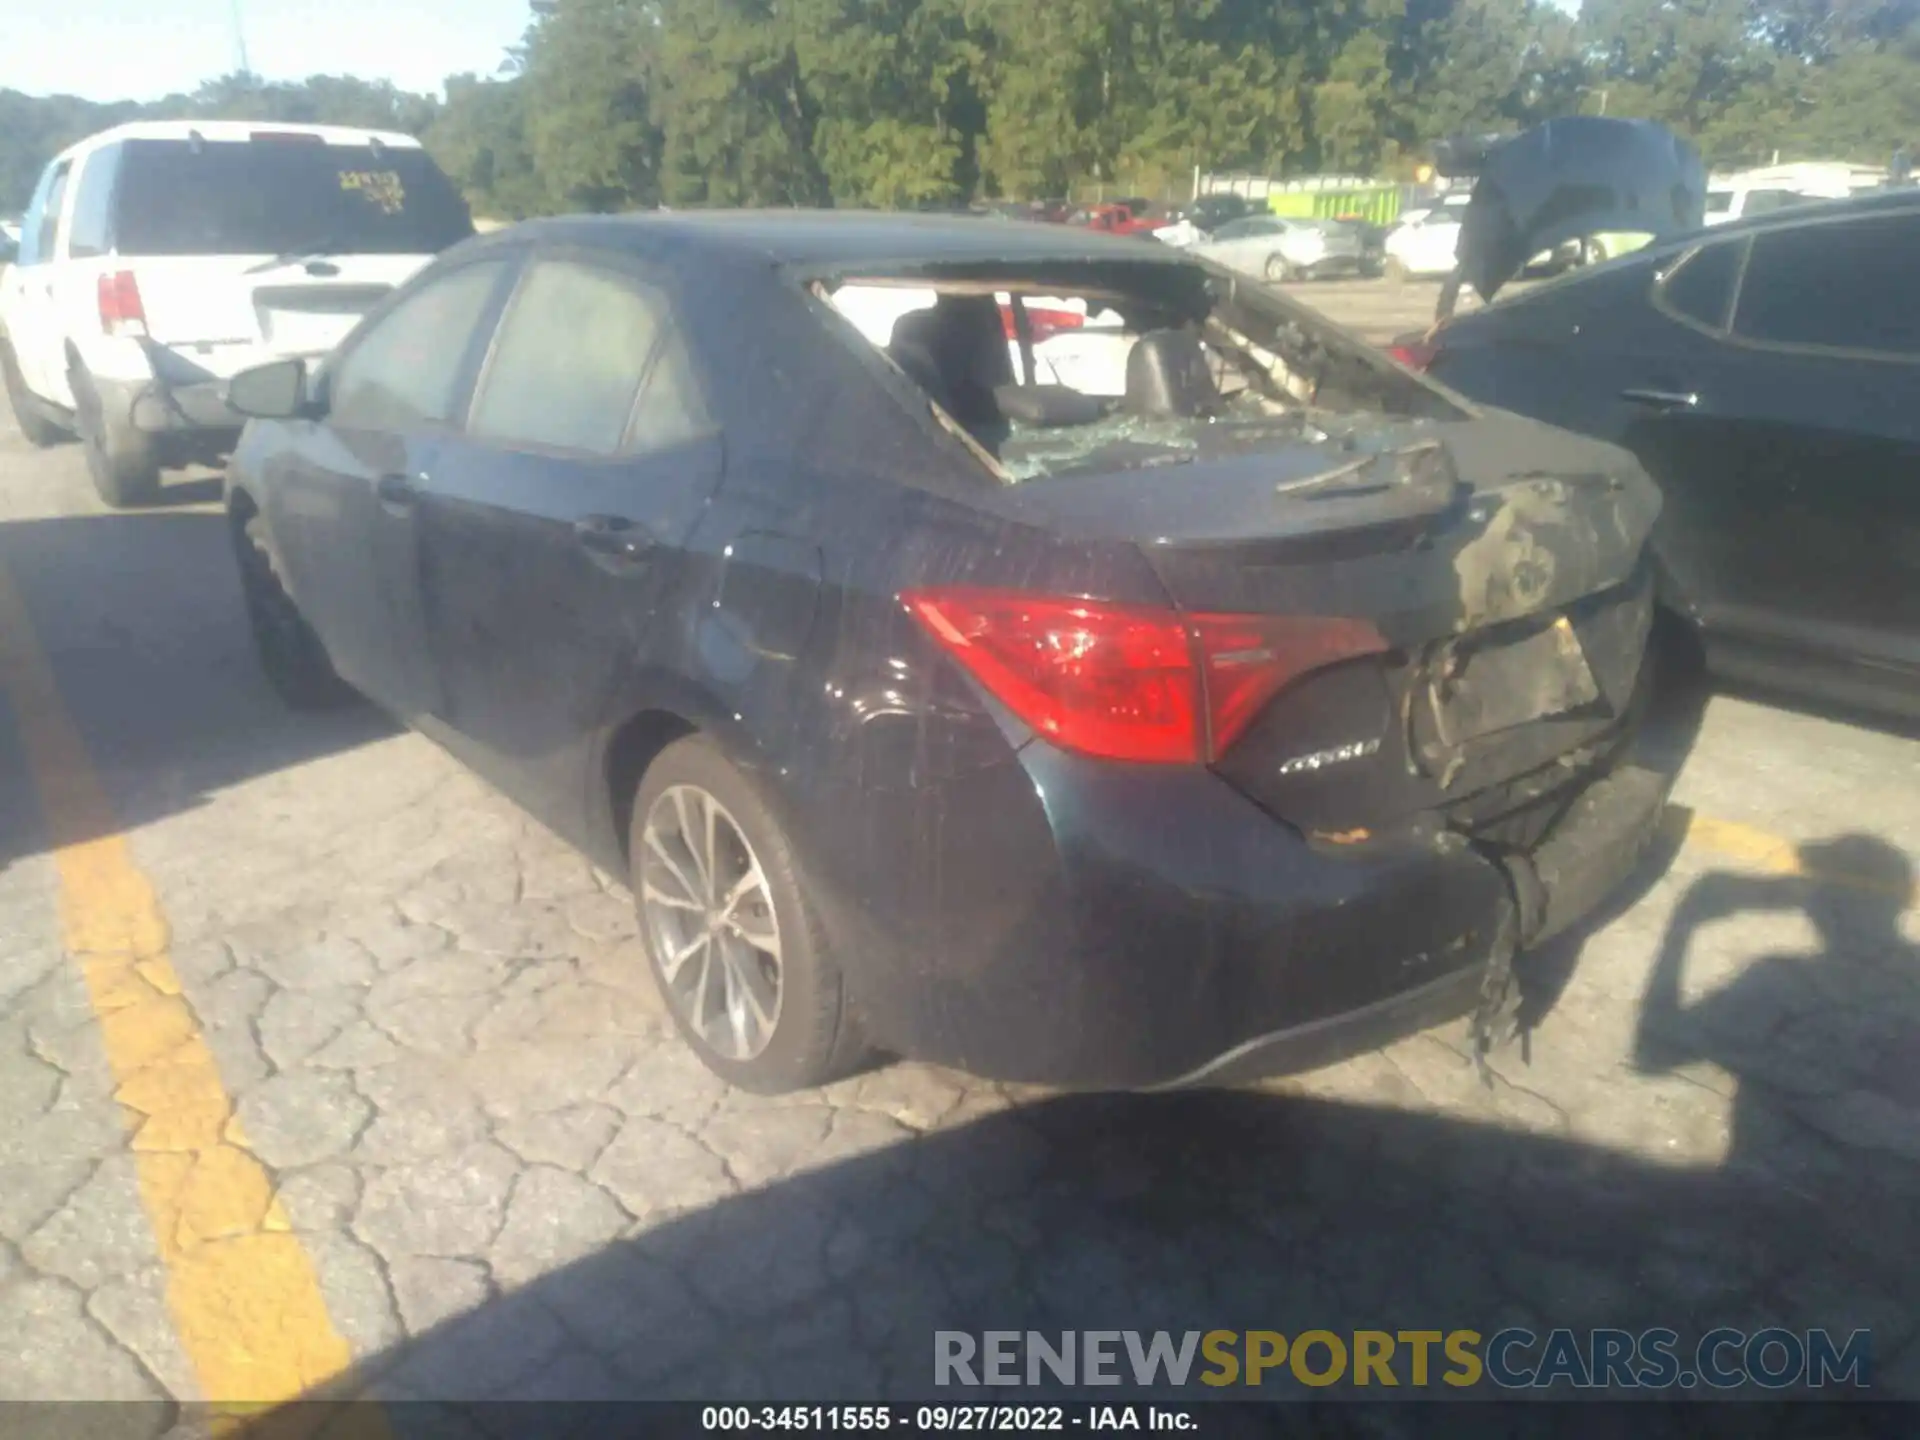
{"x":1499,"y":682}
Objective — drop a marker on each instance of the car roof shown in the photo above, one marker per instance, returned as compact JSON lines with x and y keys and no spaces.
{"x":1871,"y":203}
{"x":835,"y":239}
{"x":1818,"y":212}
{"x":1814,"y":211}
{"x":219,"y":131}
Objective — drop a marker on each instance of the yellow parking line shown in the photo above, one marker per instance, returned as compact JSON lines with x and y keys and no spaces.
{"x":1760,"y":850}
{"x":243,"y":1293}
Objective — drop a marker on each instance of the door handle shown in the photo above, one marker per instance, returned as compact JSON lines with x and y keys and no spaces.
{"x":614,"y":538}
{"x":1662,"y":399}
{"x":396,"y":492}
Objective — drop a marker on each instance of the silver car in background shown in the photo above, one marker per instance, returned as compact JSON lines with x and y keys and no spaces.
{"x":1284,"y":247}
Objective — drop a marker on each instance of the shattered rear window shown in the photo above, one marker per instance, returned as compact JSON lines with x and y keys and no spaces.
{"x":1090,"y":369}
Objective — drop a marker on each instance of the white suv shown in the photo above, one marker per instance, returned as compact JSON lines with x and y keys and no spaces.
{"x":158,"y":259}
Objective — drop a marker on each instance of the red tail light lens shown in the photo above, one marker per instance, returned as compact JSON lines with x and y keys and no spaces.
{"x":121,"y":312}
{"x":1414,"y":354}
{"x":1129,"y":683}
{"x":1248,"y":659}
{"x":1046,"y":321}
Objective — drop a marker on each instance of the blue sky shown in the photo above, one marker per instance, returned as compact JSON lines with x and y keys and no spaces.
{"x":143,"y":49}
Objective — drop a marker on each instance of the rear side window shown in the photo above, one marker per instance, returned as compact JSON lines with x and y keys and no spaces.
{"x":279,"y":196}
{"x":570,"y":361}
{"x":89,"y":233}
{"x":1701,"y":286}
{"x":670,"y":410}
{"x":1845,"y":286}
{"x":404,"y":373}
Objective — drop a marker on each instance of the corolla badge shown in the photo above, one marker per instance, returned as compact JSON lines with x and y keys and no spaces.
{"x":1337,"y":755}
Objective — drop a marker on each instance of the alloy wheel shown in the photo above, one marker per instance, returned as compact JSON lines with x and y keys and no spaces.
{"x":710,"y":922}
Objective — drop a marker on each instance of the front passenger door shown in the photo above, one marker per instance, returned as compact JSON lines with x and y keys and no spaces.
{"x":340,"y":501}
{"x":552,"y":529}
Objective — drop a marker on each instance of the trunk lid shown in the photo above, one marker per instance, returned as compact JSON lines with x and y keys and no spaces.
{"x":1574,"y":178}
{"x":1501,"y":563}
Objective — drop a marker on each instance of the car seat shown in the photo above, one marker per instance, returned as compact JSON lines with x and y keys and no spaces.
{"x":1168,"y":375}
{"x":957,"y":351}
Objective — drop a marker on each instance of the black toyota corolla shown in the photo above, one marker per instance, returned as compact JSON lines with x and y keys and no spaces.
{"x":1098,"y":670}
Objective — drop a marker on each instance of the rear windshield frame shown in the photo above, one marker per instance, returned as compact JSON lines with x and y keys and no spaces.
{"x":1347,"y":376}
{"x":283,"y":196}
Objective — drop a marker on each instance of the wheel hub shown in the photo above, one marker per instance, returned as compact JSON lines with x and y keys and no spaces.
{"x":707,"y":910}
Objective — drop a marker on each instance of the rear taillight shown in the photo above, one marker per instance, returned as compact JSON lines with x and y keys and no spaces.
{"x":121,"y":312}
{"x":1126,"y":682}
{"x":1045,"y":321}
{"x":1413,"y":351}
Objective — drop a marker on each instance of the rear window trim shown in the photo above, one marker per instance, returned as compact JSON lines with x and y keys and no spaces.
{"x":1663,"y":276}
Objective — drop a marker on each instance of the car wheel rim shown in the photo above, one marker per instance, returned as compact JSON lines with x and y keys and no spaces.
{"x":710,"y":922}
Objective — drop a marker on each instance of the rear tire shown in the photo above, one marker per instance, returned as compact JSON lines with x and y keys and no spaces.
{"x":28,"y":412}
{"x":123,"y":463}
{"x":1278,"y":271}
{"x":767,"y":1008}
{"x":291,"y":654}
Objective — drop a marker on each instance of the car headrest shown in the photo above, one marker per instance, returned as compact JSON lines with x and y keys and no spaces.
{"x":966,"y":337}
{"x":1168,"y":374}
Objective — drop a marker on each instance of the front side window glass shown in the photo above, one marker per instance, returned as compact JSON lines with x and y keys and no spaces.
{"x":405,"y":372}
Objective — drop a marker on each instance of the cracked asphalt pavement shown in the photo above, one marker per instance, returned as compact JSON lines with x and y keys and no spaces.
{"x":321,"y":1066}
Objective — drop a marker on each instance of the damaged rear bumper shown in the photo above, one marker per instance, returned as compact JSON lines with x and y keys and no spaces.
{"x":1091,"y":926}
{"x":1582,"y":863}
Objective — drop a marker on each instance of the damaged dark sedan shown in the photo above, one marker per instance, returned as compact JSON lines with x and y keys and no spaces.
{"x":1082,"y":667}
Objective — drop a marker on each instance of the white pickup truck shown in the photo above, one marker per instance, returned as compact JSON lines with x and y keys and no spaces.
{"x":158,"y":259}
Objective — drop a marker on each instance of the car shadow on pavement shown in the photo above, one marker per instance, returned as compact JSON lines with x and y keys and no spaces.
{"x":140,"y":619}
{"x":1271,"y":1209}
{"x":176,"y":492}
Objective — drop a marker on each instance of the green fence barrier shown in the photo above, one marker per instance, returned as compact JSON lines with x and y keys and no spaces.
{"x":1379,"y":205}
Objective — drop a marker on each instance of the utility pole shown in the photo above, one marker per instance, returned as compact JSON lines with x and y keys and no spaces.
{"x":240,"y":40}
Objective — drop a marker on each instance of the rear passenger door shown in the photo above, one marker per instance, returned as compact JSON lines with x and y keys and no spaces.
{"x":552,"y":531}
{"x":1813,"y":412}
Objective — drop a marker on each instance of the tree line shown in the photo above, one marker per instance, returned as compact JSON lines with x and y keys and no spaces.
{"x":613,"y":104}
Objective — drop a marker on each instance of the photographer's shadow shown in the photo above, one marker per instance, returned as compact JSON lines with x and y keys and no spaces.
{"x":1823,"y":1045}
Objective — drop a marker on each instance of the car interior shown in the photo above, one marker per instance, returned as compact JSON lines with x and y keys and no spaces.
{"x":1191,"y":351}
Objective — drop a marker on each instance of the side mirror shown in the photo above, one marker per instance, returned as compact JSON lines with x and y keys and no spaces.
{"x":275,"y":391}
